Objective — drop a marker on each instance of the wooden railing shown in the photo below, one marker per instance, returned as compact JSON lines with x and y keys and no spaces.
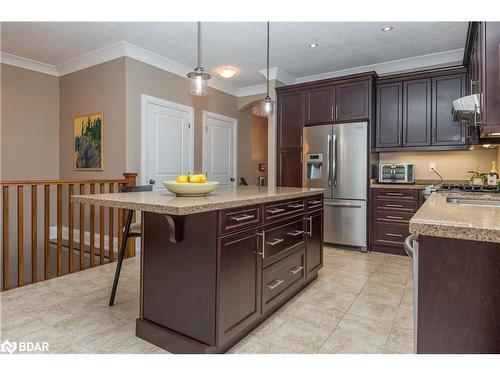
{"x":72,"y":244}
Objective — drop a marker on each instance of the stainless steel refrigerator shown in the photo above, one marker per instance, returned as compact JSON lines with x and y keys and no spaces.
{"x":335,"y":158}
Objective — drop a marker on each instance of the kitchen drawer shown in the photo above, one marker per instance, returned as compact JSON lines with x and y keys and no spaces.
{"x":276,"y":211}
{"x":391,"y":216}
{"x":239,"y":218}
{"x":396,"y":205}
{"x":283,"y":238}
{"x":314,"y":202}
{"x":408,"y":194}
{"x":390,"y":233}
{"x":279,"y":279}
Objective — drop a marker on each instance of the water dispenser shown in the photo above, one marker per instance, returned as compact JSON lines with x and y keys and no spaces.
{"x":314,"y":166}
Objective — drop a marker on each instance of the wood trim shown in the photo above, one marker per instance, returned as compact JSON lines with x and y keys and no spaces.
{"x":92,"y":228}
{"x":101,"y":228}
{"x":429,"y":73}
{"x":34,"y":234}
{"x":64,"y":182}
{"x":20,"y":235}
{"x":71,"y":240}
{"x":46,"y":232}
{"x":111,"y":226}
{"x":328,"y":82}
{"x":59,"y":230}
{"x":5,"y":239}
{"x":81,"y":227}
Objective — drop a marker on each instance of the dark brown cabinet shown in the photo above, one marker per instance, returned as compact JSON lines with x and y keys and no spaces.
{"x":290,"y":120}
{"x":389,"y":114}
{"x":289,"y":169}
{"x":352,"y":101}
{"x":314,"y":242}
{"x":319,"y":105}
{"x":445,"y":90}
{"x":239,"y":283}
{"x":414,"y":111}
{"x":417,"y":112}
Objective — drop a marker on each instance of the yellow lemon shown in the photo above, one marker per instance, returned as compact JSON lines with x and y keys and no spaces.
{"x":195,"y":178}
{"x":181,"y":179}
{"x":203,"y":178}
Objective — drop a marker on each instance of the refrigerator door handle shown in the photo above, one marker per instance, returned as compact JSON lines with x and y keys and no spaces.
{"x":334,"y":162}
{"x":328,"y":164}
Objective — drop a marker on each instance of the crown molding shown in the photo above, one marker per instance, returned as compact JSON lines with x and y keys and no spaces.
{"x":279,"y":74}
{"x":21,"y":62}
{"x":440,"y":59}
{"x":252,"y":90}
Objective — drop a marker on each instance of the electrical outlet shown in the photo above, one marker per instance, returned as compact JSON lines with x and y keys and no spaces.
{"x":432,"y":166}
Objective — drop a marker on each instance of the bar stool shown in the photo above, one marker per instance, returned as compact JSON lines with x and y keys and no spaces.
{"x":129,"y":231}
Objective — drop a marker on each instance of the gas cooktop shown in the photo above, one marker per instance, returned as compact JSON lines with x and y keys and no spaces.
{"x":468,"y":188}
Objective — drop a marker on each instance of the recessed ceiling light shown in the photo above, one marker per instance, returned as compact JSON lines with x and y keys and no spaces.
{"x":226,"y":72}
{"x":313,"y":45}
{"x":387,"y":28}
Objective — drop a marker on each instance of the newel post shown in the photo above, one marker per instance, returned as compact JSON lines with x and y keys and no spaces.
{"x":130,"y":180}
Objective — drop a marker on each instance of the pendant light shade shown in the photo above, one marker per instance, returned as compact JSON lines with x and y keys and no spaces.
{"x":267,"y":104}
{"x":199,"y":79}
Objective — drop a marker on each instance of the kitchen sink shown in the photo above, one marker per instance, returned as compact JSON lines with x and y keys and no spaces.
{"x":473,"y":202}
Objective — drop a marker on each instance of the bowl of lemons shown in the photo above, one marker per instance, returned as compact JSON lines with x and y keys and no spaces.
{"x":191,"y":185}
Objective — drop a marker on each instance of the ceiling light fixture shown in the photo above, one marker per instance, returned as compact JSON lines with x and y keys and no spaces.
{"x":267,"y":103}
{"x":226,"y":72}
{"x":199,"y":79}
{"x":313,"y":45}
{"x":387,"y":28}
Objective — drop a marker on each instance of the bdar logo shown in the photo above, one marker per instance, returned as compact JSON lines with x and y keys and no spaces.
{"x":9,"y":347}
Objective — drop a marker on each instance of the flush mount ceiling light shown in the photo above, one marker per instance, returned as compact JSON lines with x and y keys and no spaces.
{"x":226,"y":72}
{"x":387,"y":28}
{"x":313,"y":45}
{"x":199,"y":79}
{"x":267,"y":103}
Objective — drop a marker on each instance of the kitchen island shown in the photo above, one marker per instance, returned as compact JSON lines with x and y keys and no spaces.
{"x":458,"y":291}
{"x":213,"y":268}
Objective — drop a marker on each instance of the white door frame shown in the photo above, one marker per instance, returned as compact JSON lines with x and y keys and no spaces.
{"x":217,"y":116}
{"x":146,"y":99}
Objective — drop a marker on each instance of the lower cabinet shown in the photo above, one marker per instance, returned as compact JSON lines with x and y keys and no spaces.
{"x":314,"y":242}
{"x":289,"y":171}
{"x":239,"y":284}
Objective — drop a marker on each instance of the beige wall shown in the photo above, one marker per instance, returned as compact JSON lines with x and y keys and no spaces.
{"x":100,"y":88}
{"x":146,"y":79}
{"x":29,"y":124}
{"x":245,"y":145}
{"x":452,"y":165}
{"x":259,"y":147}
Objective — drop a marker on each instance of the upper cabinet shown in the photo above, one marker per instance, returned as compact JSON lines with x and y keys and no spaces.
{"x":319,"y":105}
{"x":482,"y":59}
{"x":414,"y":111}
{"x":290,"y":120}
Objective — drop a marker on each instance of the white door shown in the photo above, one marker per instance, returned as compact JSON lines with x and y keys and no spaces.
{"x":167,"y":141}
{"x":219,"y":148}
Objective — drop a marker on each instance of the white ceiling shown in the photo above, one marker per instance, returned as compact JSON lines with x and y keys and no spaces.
{"x":342,"y":45}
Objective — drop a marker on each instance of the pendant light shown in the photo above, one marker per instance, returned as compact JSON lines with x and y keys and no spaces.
{"x":267,"y":103}
{"x":199,"y":79}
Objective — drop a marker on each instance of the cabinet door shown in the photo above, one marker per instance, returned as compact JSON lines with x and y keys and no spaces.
{"x":290,"y":119}
{"x":239,"y":283}
{"x":290,"y":168}
{"x":445,"y":90}
{"x":319,"y":105}
{"x":417,"y":112}
{"x":389,"y":114}
{"x":352,"y":101}
{"x":314,"y":242}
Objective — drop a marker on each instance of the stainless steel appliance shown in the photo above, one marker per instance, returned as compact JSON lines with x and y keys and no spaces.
{"x":396,"y":173}
{"x":411,"y":248}
{"x":335,"y":158}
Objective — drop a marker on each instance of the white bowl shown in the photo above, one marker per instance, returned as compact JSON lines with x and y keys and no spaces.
{"x":186,"y":189}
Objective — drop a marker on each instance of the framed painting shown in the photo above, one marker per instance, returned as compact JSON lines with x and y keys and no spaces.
{"x":87,"y":137}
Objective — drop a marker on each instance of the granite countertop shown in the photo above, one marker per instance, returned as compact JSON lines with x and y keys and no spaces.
{"x":164,"y":202}
{"x":419,"y":184}
{"x":438,"y":218}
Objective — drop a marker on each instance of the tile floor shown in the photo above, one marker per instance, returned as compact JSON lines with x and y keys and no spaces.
{"x":360,"y":303}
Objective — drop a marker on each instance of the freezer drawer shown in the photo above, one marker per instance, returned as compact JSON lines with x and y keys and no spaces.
{"x":345,"y":222}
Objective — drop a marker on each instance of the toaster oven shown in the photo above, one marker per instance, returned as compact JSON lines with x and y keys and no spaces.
{"x":396,"y":173}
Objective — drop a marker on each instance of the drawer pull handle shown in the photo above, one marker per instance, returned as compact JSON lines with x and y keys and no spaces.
{"x":297,"y":205}
{"x":315,"y":202}
{"x":394,"y":217}
{"x":263,"y":235}
{"x":243,"y":217}
{"x":295,"y":233}
{"x":275,"y":283}
{"x":275,"y":242}
{"x":275,"y":210}
{"x":394,"y":205}
{"x":296,"y":269}
{"x":394,"y":235}
{"x":395,"y":194}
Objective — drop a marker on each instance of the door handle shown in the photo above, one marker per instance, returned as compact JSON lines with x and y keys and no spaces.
{"x":295,"y":233}
{"x":335,"y":160}
{"x":328,"y":160}
{"x":310,"y":233}
{"x":296,"y":269}
{"x":152,"y":182}
{"x":263,"y":235}
{"x":275,"y":283}
{"x":275,"y":242}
